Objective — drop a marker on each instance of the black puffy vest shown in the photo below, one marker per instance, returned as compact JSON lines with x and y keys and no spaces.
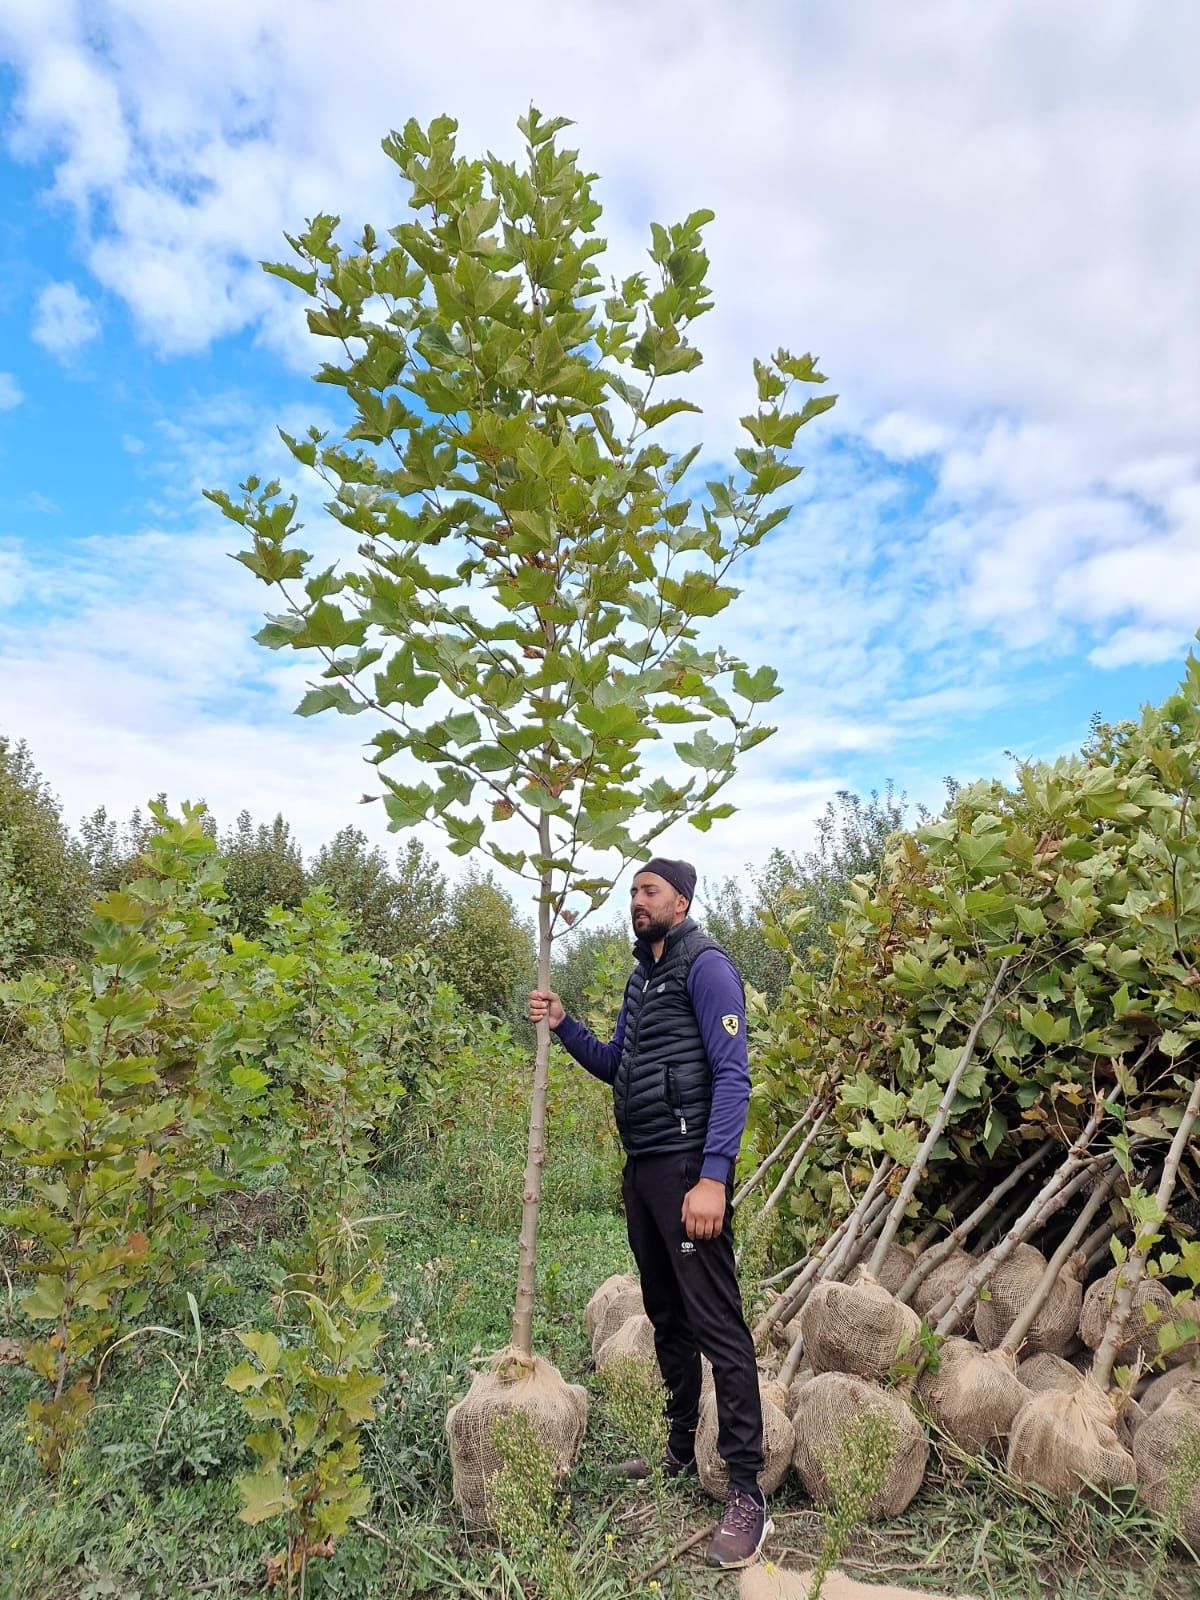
{"x":663,"y":1088}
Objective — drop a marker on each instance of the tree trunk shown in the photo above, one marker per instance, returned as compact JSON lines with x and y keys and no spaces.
{"x":1133,"y":1270}
{"x":535,"y":1150}
{"x":941,"y":1117}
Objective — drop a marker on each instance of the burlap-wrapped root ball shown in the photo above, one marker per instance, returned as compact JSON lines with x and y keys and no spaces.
{"x":635,"y":1337}
{"x":1165,"y":1447}
{"x":826,"y":1423}
{"x":1161,"y":1388}
{"x":1066,"y":1441}
{"x":974,"y":1395}
{"x":557,"y":1410}
{"x":796,"y":1389}
{"x":607,"y":1292}
{"x":946,"y":1278}
{"x":1010,"y":1289}
{"x":769,"y":1582}
{"x":858,"y":1328}
{"x":1048,"y":1374}
{"x":618,"y":1308}
{"x":779,"y":1441}
{"x":1140,"y":1337}
{"x":898,"y":1262}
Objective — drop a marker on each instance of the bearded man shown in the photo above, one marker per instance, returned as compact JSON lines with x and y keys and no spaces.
{"x":680,"y":1077}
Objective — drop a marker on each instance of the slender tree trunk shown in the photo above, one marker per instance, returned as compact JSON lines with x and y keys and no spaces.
{"x":1131,"y":1273}
{"x":789,"y":1172}
{"x":1017,"y":1334}
{"x":929,"y":1233}
{"x":941,"y":1117}
{"x":764,"y":1166}
{"x":957,"y":1237}
{"x":535,"y":1154}
{"x":1063,"y":1183}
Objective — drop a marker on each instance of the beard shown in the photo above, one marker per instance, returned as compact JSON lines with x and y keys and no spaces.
{"x":646,"y":927}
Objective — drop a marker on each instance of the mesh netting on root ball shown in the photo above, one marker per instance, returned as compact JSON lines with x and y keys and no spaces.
{"x":770,"y":1582}
{"x":1167,"y":1450}
{"x":556,"y":1409}
{"x":607,"y":1292}
{"x":796,"y":1388}
{"x":1047,"y":1374}
{"x":946,"y":1278}
{"x":858,"y":1328}
{"x":1011,"y":1287}
{"x":1140,"y":1334}
{"x":618,"y":1308}
{"x":1065,"y":1442}
{"x":779,"y":1441}
{"x":635,"y":1337}
{"x":837,"y":1416}
{"x":974,"y":1394}
{"x":897,"y":1264}
{"x":1158,"y":1389}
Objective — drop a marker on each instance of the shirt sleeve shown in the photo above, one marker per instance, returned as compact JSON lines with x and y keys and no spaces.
{"x":596,"y":1057}
{"x":719,"y":1002}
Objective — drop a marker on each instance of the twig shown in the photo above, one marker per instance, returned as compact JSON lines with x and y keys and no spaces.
{"x":1130,"y":1274}
{"x":940,"y":1118}
{"x":679,"y":1550}
{"x":367,"y":1527}
{"x":789,"y":1173}
{"x":134,"y":1334}
{"x":760,"y":1172}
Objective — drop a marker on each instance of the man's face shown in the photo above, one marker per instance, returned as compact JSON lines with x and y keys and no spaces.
{"x":655,"y":906}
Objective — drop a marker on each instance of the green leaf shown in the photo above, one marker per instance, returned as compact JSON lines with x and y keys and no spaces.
{"x":757,"y":686}
{"x":264,"y":1495}
{"x":45,"y":1301}
{"x":263,"y":1345}
{"x":327,"y":695}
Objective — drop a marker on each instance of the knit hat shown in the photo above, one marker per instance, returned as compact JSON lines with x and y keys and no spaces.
{"x":681,"y":875}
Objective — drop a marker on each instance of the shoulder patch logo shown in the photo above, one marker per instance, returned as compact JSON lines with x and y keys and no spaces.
{"x":731,"y":1023}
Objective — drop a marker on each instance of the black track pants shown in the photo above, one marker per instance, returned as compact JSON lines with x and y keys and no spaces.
{"x":691,"y":1293}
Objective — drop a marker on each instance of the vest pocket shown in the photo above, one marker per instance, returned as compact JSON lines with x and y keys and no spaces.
{"x":674,"y":1101}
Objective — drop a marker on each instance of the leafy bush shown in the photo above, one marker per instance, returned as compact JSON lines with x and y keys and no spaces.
{"x":42,"y":873}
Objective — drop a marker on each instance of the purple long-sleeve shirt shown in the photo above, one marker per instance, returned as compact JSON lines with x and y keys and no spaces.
{"x":715,"y":991}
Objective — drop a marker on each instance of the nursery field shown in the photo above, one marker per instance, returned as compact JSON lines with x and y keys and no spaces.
{"x":146,"y":1506}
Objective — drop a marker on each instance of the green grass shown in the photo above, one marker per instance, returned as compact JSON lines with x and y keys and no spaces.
{"x":134,"y":1521}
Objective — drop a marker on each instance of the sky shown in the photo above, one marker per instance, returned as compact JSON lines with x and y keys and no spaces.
{"x":983,"y":219}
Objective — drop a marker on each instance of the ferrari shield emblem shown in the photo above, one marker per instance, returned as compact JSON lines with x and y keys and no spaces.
{"x":731,"y":1023}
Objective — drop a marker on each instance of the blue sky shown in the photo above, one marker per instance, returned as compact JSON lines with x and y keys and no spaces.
{"x":983,"y":219}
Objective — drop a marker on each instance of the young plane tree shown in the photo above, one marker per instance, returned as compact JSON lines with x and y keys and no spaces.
{"x":529,"y":567}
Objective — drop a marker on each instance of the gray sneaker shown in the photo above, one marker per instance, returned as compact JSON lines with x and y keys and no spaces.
{"x":743,"y":1530}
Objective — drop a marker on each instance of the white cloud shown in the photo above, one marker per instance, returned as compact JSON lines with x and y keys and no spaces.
{"x":10,"y":392}
{"x":64,"y":320}
{"x":1141,"y":646}
{"x":980,"y":216}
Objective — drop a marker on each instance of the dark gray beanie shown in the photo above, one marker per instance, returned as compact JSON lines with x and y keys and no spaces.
{"x":681,"y":875}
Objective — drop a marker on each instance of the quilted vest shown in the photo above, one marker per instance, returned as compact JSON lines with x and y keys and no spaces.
{"x":663,"y":1088}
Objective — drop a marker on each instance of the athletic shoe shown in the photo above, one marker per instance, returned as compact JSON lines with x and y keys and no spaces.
{"x":743,"y":1529}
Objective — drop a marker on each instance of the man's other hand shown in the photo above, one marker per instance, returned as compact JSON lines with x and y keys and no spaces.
{"x":704,"y":1209}
{"x":544,"y":1004}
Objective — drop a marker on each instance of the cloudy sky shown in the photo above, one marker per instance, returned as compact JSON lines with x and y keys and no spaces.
{"x":984,"y":219}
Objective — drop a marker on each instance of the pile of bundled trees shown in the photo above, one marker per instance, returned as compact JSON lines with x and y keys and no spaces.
{"x":980,"y":1127}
